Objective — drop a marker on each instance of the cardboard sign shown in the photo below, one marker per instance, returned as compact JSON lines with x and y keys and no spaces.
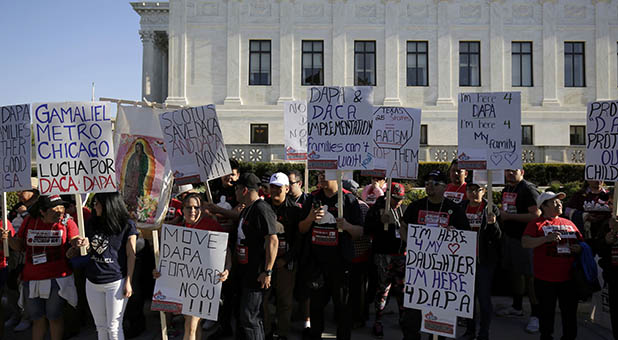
{"x":440,"y":270}
{"x":602,"y":141}
{"x":194,"y":144}
{"x":74,"y":148}
{"x":15,"y":139}
{"x":190,"y":263}
{"x":295,"y":130}
{"x":142,"y":168}
{"x":489,"y":127}
{"x":396,"y":138}
{"x":339,"y":128}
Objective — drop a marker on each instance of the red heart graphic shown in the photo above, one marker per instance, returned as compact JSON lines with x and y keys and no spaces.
{"x":453,"y":247}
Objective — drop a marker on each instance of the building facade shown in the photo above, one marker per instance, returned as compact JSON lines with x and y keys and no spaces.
{"x":250,"y":56}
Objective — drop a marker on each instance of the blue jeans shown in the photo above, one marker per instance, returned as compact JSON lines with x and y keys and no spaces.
{"x":482,"y":291}
{"x":251,"y":317}
{"x":51,"y":307}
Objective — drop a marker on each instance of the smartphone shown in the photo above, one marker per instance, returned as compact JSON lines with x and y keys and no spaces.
{"x":317,"y":205}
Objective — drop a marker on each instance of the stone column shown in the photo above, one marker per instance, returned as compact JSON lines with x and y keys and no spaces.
{"x":601,"y":35}
{"x":496,"y":46}
{"x":149,"y":61}
{"x":391,"y":53}
{"x":162,"y":52}
{"x":233,"y":54}
{"x":177,"y":89}
{"x":286,"y":54}
{"x":445,"y":56}
{"x":550,"y":54}
{"x":339,"y":45}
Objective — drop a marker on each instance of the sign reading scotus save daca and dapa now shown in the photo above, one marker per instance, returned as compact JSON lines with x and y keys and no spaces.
{"x":74,"y":148}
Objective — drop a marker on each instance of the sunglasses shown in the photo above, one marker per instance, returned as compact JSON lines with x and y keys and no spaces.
{"x":434,"y":182}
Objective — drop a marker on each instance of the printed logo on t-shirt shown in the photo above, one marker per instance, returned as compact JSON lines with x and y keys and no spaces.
{"x":433,"y":218}
{"x":475,"y":221}
{"x":44,"y":238}
{"x":509,"y":200}
{"x":567,"y":233}
{"x":454,"y":196}
{"x":99,"y":243}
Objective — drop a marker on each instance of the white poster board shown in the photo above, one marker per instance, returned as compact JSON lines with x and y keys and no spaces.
{"x":295,"y":130}
{"x":339,"y":128}
{"x":395,"y":139}
{"x":15,"y":146}
{"x":440,"y":270}
{"x":489,"y":130}
{"x":602,"y":141}
{"x":74,"y":147}
{"x":190,"y":263}
{"x":194,"y":144}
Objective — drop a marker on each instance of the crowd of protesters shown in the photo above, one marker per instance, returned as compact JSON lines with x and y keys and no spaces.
{"x":289,"y":254}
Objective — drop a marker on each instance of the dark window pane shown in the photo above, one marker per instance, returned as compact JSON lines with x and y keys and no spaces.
{"x":463,"y":47}
{"x":259,"y":133}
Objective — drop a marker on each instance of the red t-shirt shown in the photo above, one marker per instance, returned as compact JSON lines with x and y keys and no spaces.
{"x":553,"y":261}
{"x":455,"y":193}
{"x":49,"y":244}
{"x":11,"y":232}
{"x":475,"y":216}
{"x":206,"y":223}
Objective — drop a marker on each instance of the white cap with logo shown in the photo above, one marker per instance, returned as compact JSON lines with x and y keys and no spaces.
{"x":279,"y":179}
{"x":548,"y":195}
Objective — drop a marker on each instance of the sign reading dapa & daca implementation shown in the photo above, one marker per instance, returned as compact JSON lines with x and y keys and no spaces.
{"x":74,"y":148}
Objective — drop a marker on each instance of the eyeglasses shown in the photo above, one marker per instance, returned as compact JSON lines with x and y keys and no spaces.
{"x":434,"y":182}
{"x":292,"y":183}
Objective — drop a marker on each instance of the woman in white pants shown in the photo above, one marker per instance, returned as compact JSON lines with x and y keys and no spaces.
{"x":111,"y":237}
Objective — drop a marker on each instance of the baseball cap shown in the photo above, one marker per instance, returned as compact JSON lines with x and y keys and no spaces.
{"x":436,"y":175}
{"x":47,"y":202}
{"x":350,"y":185}
{"x":185,"y":188}
{"x":398,"y":192}
{"x":548,"y":195}
{"x":279,"y":179}
{"x":248,"y":180}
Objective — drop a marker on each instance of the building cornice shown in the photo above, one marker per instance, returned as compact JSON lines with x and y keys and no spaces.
{"x":150,"y":7}
{"x":154,"y":16}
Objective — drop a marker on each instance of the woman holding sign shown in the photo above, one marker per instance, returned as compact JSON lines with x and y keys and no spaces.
{"x":196,"y":218}
{"x":48,"y":282}
{"x":111,"y":242}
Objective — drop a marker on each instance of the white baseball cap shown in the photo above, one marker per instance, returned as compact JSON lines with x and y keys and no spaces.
{"x":548,"y":195}
{"x":279,"y":179}
{"x":185,"y":188}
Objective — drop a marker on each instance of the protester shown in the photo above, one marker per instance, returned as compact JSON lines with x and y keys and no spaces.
{"x":588,"y":209}
{"x":111,"y":239}
{"x":372,"y":191}
{"x":284,"y":272}
{"x":518,"y":209}
{"x":296,"y":187}
{"x":432,"y":211}
{"x":47,"y":276}
{"x":555,"y":241}
{"x":256,"y":251}
{"x":485,"y":223}
{"x":388,"y":253}
{"x":4,"y":270}
{"x":223,"y":190}
{"x":456,"y":189}
{"x":27,"y":198}
{"x":174,"y":212}
{"x":607,"y":247}
{"x":264,"y":191}
{"x":327,"y":263}
{"x":195,"y":219}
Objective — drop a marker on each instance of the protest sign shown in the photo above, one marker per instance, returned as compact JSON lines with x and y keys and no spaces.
{"x":440,"y":270}
{"x":190,"y":263}
{"x":434,"y":322}
{"x":142,"y":171}
{"x":396,"y":139}
{"x":339,"y":128}
{"x":489,"y":127}
{"x":295,"y":130}
{"x":15,"y":146}
{"x":194,"y":144}
{"x":480,"y":176}
{"x":602,"y":141}
{"x":74,"y":148}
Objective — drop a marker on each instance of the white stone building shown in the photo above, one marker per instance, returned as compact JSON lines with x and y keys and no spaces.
{"x":249,"y":56}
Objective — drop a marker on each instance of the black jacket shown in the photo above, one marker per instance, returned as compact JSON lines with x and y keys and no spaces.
{"x":489,"y":236}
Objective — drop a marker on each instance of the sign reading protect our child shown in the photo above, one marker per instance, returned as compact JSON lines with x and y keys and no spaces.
{"x":489,"y":127}
{"x":194,"y":144}
{"x":602,"y":141}
{"x":396,"y":139}
{"x":190,"y":264}
{"x":15,"y":148}
{"x":74,"y":148}
{"x":339,"y":128}
{"x":440,"y":270}
{"x":295,"y":130}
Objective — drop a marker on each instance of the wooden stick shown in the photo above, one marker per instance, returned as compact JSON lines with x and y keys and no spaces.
{"x":155,"y":246}
{"x":306,"y":177}
{"x":5,"y":224}
{"x":208,"y":193}
{"x":490,"y":192}
{"x":80,"y":221}
{"x":387,"y":199}
{"x":340,"y":195}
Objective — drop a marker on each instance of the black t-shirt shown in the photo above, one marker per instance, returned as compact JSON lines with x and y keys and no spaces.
{"x":517,"y":200}
{"x":108,"y":255}
{"x":328,"y":245}
{"x":300,"y":200}
{"x":288,"y":214}
{"x":384,"y":241}
{"x":218,"y":191}
{"x":257,"y":221}
{"x":444,"y":214}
